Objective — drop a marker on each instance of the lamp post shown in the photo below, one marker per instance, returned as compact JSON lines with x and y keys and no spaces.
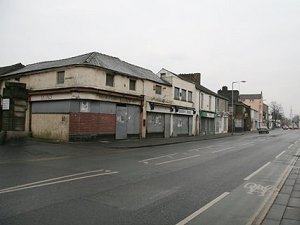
{"x":232,"y":116}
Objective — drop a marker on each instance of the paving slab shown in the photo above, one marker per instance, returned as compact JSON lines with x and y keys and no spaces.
{"x":271,"y":222}
{"x":297,"y":187}
{"x":276,"y":212}
{"x":295,"y":194}
{"x":294,"y":202}
{"x":292,"y":214}
{"x":289,"y":222}
{"x":282,"y":199}
{"x":286,"y":189}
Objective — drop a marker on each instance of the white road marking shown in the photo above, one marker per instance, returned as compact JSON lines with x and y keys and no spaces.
{"x":175,"y":160}
{"x":222,"y":150}
{"x":279,"y":154}
{"x":194,"y":150}
{"x":159,"y":157}
{"x":290,"y":146}
{"x":204,"y":208}
{"x":55,"y":182}
{"x":52,"y":179}
{"x":257,"y":171}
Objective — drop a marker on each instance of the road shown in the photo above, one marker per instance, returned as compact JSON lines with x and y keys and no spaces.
{"x":45,"y":183}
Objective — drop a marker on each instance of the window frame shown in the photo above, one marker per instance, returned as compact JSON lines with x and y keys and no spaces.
{"x":176,"y":90}
{"x":190,"y":96}
{"x":132,"y":82}
{"x":60,"y":77}
{"x":107,"y":81}
{"x":158,"y":87}
{"x":183,"y":95}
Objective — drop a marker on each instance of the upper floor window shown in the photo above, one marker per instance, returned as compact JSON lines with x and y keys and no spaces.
{"x":158,"y":89}
{"x":132,"y":84}
{"x":218,"y":104}
{"x":183,"y":95}
{"x":110,"y":80}
{"x":209,"y":103}
{"x":176,"y":93}
{"x":190,"y":96}
{"x":201,"y":101}
{"x":60,"y":77}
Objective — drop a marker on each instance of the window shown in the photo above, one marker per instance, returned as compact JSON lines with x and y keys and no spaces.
{"x":217,"y":105}
{"x":158,"y":89}
{"x":60,"y":77}
{"x":201,"y":101}
{"x":209,"y":106}
{"x":176,"y":93}
{"x":110,"y":80}
{"x":183,"y":95}
{"x":132,"y":84}
{"x":190,"y":96}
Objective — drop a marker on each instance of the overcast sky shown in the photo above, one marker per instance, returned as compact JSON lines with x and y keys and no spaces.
{"x":225,"y":40}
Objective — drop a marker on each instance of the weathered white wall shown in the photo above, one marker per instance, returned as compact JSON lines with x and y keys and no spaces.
{"x":51,"y":126}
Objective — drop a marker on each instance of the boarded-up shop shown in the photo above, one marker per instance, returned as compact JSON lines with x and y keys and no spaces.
{"x":183,"y":122}
{"x":207,"y":123}
{"x":84,"y":120}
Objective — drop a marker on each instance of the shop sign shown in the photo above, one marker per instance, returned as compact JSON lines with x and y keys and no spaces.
{"x":185,"y":111}
{"x":207,"y":114}
{"x":5,"y":103}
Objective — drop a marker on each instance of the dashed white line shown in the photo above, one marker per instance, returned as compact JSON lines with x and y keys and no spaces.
{"x":159,"y":157}
{"x":257,"y":171}
{"x":222,"y":150}
{"x":175,"y":160}
{"x":279,"y":154}
{"x":204,"y":208}
{"x":290,"y":146}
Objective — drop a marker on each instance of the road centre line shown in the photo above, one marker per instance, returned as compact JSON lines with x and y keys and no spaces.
{"x":175,"y":160}
{"x":222,"y":150}
{"x":257,"y":171}
{"x":163,"y":156}
{"x":204,"y":208}
{"x":55,"y":182}
{"x":279,"y":154}
{"x":52,"y":179}
{"x":290,"y":146}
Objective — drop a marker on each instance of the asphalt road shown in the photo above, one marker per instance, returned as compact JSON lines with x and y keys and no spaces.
{"x":44,"y":183}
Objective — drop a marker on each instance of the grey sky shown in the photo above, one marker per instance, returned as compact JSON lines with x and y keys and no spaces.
{"x":226,"y":40}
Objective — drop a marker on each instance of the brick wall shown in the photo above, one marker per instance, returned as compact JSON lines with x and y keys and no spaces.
{"x":92,"y":123}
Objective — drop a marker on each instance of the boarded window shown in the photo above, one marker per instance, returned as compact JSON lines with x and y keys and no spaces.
{"x":60,"y":77}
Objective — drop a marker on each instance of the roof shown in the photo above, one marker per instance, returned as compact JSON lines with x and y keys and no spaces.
{"x":8,"y":69}
{"x":200,"y":87}
{"x":93,"y":59}
{"x":251,"y":96}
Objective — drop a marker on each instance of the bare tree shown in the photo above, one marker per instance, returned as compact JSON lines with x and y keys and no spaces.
{"x":276,"y":111}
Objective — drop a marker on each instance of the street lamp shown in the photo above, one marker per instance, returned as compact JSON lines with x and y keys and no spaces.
{"x":232,"y":116}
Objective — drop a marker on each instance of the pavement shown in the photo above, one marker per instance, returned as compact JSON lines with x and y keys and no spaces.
{"x":285,"y":210}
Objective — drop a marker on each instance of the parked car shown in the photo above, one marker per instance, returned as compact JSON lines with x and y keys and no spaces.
{"x":285,"y":127}
{"x":262,"y":130}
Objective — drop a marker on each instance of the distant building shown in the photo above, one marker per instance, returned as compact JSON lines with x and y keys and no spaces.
{"x":242,"y":113}
{"x":255,"y":101}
